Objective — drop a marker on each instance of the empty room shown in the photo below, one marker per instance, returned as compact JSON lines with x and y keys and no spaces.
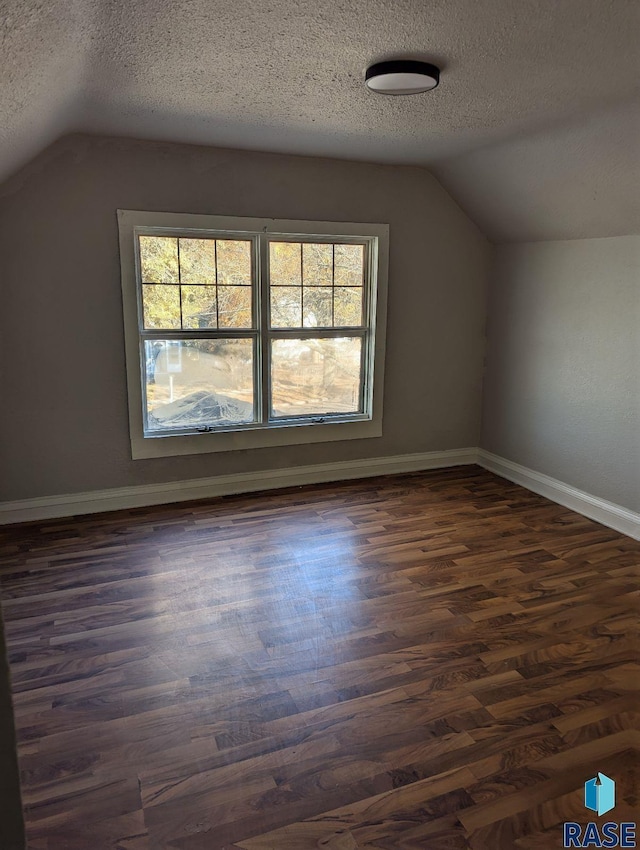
{"x":319,"y":425}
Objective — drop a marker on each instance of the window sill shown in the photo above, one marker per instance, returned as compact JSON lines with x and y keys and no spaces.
{"x":255,"y":438}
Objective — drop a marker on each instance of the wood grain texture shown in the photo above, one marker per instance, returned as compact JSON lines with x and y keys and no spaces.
{"x":11,"y":821}
{"x":434,"y":660}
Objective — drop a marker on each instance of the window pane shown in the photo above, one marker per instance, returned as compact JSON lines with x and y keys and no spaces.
{"x":317,"y":307}
{"x":198,"y":261}
{"x":286,"y":307}
{"x":193,"y":383}
{"x":234,"y":307}
{"x":315,"y":376}
{"x":284,"y":264}
{"x":161,"y":306}
{"x":349,"y":260}
{"x":317,"y":264}
{"x":347,"y":306}
{"x":159,"y":259}
{"x":234,"y":262}
{"x":199,"y":306}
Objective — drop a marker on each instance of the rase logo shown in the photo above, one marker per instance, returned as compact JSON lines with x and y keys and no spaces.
{"x":600,"y":794}
{"x":600,"y":797}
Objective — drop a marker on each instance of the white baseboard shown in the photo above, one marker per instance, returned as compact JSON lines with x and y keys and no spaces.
{"x":95,"y":501}
{"x":609,"y":514}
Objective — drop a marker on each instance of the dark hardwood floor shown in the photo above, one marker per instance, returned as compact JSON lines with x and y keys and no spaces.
{"x":436,"y":660}
{"x":11,"y":821}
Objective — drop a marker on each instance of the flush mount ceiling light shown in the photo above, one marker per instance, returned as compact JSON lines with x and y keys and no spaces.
{"x":402,"y":76}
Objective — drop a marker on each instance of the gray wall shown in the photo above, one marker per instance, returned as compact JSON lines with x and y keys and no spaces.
{"x":63,"y":427}
{"x":562,"y":385}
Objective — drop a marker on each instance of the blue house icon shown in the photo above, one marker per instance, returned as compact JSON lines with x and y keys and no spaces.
{"x":600,"y":794}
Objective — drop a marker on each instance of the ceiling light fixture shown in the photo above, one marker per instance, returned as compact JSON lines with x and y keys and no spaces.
{"x":402,"y":76}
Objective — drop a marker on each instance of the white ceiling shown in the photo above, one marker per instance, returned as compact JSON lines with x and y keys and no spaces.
{"x":531,"y":128}
{"x":579,"y":179}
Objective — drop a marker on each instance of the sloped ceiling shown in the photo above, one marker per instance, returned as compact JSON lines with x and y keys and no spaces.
{"x":577,"y":180}
{"x":532,"y":128}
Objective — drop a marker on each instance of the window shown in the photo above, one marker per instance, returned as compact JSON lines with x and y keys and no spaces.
{"x":251,"y":332}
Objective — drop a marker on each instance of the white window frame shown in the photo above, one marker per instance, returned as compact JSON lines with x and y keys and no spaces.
{"x":291,"y":431}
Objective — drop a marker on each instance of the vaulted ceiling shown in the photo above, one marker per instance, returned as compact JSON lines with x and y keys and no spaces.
{"x":534,"y":129}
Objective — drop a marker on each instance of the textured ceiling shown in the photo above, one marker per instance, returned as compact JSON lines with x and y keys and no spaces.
{"x":576,"y":180}
{"x":287,"y":77}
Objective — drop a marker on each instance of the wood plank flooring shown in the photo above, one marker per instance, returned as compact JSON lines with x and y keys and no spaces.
{"x":11,"y":821}
{"x":435,"y":660}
